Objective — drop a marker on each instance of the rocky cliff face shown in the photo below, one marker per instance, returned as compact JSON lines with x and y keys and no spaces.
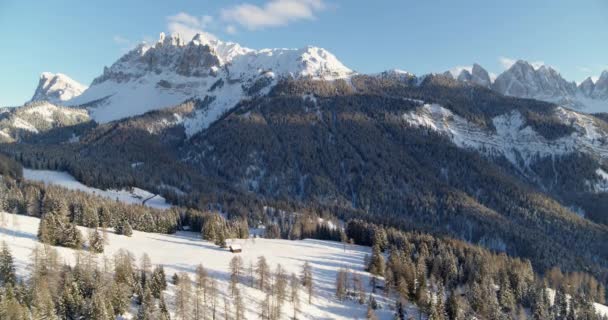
{"x":165,"y":74}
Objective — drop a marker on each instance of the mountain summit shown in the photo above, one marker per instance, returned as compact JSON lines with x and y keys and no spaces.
{"x":57,"y":88}
{"x":170,"y":71}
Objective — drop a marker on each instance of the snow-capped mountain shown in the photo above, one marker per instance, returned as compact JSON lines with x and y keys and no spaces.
{"x":57,"y":88}
{"x":523,"y":80}
{"x":166,"y":73}
{"x":545,"y":83}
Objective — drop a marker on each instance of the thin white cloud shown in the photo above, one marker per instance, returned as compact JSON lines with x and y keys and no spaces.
{"x":187,"y":26}
{"x":458,"y":69}
{"x":273,"y":13}
{"x":231,"y":29}
{"x":508,"y":62}
{"x":121,"y":40}
{"x":538,"y":64}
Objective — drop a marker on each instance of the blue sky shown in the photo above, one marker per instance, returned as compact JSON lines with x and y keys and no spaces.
{"x":79,"y":38}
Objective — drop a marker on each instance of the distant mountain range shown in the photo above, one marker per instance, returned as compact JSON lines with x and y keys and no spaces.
{"x":544,"y":83}
{"x":171,"y":71}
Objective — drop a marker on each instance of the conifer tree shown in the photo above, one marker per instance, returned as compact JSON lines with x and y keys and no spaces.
{"x":262,"y":273}
{"x":147,"y":308}
{"x":236,"y":267}
{"x":7,"y":267}
{"x":158,"y":283}
{"x":162,"y":309}
{"x":376,"y":264}
{"x":96,"y":241}
{"x":307,"y":280}
{"x":98,"y":308}
{"x":10,"y":307}
{"x":294,"y":284}
{"x":183,"y":297}
{"x":43,"y":307}
{"x":200,"y":292}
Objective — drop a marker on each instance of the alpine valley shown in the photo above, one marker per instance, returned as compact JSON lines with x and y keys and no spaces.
{"x":511,"y":170}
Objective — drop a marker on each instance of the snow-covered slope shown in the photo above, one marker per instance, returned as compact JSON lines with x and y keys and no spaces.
{"x":57,"y":88}
{"x":63,"y":179}
{"x":37,"y":117}
{"x":513,"y":138}
{"x":183,"y":251}
{"x":170,"y":71}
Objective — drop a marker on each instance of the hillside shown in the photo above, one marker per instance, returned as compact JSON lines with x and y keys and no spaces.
{"x":184,"y":251}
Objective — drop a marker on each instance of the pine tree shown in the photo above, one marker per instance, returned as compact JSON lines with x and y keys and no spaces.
{"x":200,"y":292}
{"x":453,"y":307}
{"x":307,"y":280}
{"x":98,"y":308}
{"x":96,"y":241}
{"x":124,"y":228}
{"x":120,"y":297}
{"x":158,"y":283}
{"x":162,"y":309}
{"x":376,"y":264}
{"x":183,"y":297}
{"x":10,"y":308}
{"x":7,"y":267}
{"x":47,"y":229}
{"x":236,"y":267}
{"x":262,"y":273}
{"x":43,"y":307}
{"x":72,"y":238}
{"x":506,"y":298}
{"x":541,"y":305}
{"x":294,"y":284}
{"x":560,"y":304}
{"x":147,"y":308}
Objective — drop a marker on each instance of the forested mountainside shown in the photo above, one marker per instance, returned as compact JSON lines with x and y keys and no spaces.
{"x":469,"y":280}
{"x":357,"y":149}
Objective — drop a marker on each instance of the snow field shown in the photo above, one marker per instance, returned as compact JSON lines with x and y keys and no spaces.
{"x":183,"y":251}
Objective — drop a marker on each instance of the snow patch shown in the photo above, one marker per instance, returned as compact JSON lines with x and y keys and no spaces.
{"x":513,"y":138}
{"x":64,"y":179}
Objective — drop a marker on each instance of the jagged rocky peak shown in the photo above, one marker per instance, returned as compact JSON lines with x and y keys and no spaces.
{"x":203,"y":56}
{"x":57,"y":88}
{"x":480,"y":76}
{"x":171,"y":71}
{"x":586,"y":87}
{"x":600,"y":91}
{"x":475,"y":75}
{"x":523,"y":80}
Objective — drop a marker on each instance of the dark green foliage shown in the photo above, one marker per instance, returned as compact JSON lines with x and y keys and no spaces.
{"x":10,"y":168}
